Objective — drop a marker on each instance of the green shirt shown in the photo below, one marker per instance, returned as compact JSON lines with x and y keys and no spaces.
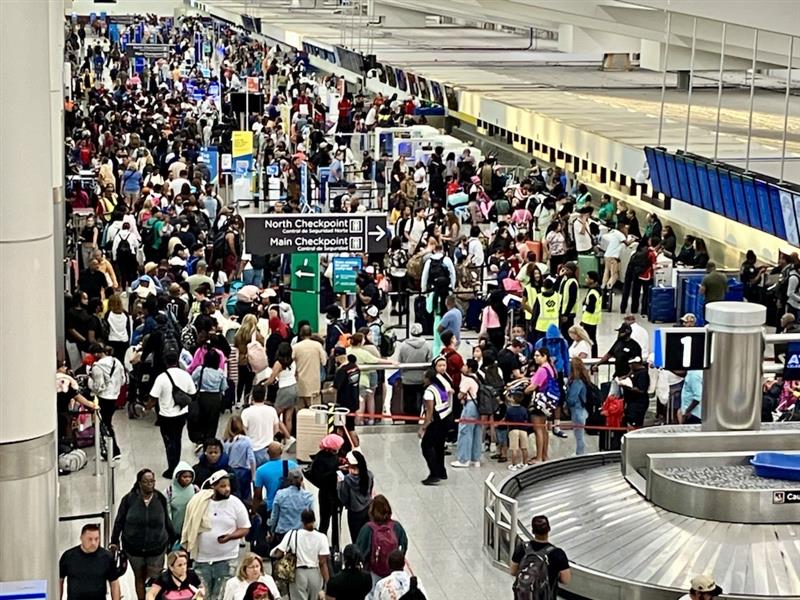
{"x":716,"y":286}
{"x":157,"y":225}
{"x":606,"y":212}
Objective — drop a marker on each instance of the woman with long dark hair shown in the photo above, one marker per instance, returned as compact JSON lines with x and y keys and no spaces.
{"x":353,"y":582}
{"x":540,"y":385}
{"x":211,"y":385}
{"x":283,"y":372}
{"x":355,"y":492}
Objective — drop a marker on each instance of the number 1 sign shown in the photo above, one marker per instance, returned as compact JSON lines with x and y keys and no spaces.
{"x":682,"y":348}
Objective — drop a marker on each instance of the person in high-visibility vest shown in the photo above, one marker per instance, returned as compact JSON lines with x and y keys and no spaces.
{"x":531,"y":284}
{"x":592,"y":308}
{"x":569,"y":297}
{"x":546,"y":309}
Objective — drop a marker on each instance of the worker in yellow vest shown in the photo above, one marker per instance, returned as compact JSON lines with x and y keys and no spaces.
{"x":546,"y":309}
{"x":592,"y":308}
{"x":569,"y":297}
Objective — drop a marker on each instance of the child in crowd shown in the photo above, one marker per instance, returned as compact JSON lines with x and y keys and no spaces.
{"x":500,"y":431}
{"x":178,"y":494}
{"x":518,"y":433}
{"x":241,"y":457}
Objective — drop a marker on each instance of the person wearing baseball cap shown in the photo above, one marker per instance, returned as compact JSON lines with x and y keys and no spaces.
{"x":623,"y":349}
{"x":703,"y":587}
{"x":688,"y":320}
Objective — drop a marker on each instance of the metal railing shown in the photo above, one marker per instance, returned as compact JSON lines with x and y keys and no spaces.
{"x":500,"y":523}
{"x":106,"y":514}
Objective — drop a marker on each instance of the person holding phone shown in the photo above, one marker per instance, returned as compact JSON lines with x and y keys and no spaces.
{"x":177,"y":581}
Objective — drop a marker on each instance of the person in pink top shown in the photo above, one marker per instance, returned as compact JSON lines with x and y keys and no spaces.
{"x":200,"y":354}
{"x":545,"y":371}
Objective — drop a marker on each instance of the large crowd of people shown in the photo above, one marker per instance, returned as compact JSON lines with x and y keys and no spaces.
{"x":168,"y":312}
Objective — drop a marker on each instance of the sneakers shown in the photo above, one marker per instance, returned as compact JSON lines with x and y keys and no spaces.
{"x":475,"y":463}
{"x":515,"y":467}
{"x":459,"y":465}
{"x":559,"y":433}
{"x":289,"y":443}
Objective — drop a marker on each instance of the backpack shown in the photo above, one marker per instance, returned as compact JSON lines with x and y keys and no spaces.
{"x":124,"y":250}
{"x":220,"y":244}
{"x":384,"y":542}
{"x":437,"y":273}
{"x":388,"y":342}
{"x":283,"y":482}
{"x":189,"y":338}
{"x":179,"y":397}
{"x":413,"y":593}
{"x":256,"y":354}
{"x":170,"y":335}
{"x":592,"y":398}
{"x":490,"y":391}
{"x":381,"y":301}
{"x":147,"y":234}
{"x":502,"y":207}
{"x":533,"y":579}
{"x":399,"y":259}
{"x":638,"y":263}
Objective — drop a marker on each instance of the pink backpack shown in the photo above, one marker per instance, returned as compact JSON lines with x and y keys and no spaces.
{"x":256,"y":354}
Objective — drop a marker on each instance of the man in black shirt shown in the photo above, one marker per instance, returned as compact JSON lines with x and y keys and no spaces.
{"x":88,"y":569}
{"x":623,"y":349}
{"x":558,"y":564}
{"x":92,"y":281}
{"x":509,"y":362}
{"x":346,"y":383}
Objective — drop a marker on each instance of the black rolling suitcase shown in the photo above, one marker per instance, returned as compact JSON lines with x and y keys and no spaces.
{"x":607,"y":300}
{"x":422,"y":316}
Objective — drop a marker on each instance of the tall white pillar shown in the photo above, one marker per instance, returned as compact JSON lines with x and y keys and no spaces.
{"x":28,"y":501}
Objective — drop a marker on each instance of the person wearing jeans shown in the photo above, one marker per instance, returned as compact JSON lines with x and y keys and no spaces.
{"x":470,"y":435}
{"x":171,"y":417}
{"x":577,"y":394}
{"x":438,"y":415}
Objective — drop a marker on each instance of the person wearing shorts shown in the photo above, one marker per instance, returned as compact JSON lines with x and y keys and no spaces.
{"x":517,"y":433}
{"x":283,"y":372}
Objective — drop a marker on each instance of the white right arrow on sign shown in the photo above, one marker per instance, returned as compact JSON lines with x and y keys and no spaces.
{"x":379,"y":233}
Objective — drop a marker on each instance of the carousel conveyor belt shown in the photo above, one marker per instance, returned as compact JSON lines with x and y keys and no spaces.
{"x":622,"y":546}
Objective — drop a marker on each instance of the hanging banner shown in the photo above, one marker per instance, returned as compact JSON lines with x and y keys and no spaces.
{"x":242,"y":159}
{"x":210,"y":156}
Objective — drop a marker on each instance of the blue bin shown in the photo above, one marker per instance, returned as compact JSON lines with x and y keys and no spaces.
{"x":777,"y":465}
{"x":735,"y":290}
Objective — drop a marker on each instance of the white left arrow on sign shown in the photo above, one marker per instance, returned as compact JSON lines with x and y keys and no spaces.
{"x":300,"y":273}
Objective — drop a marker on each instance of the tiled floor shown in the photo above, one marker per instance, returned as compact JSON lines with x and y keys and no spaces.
{"x":443,"y":522}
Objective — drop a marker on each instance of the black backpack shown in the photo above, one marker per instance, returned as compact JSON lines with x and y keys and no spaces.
{"x":490,"y":390}
{"x":533,"y":578}
{"x":148,"y":235}
{"x":413,"y":593}
{"x":437,"y":273}
{"x":388,"y":342}
{"x":220,"y":244}
{"x":124,"y":250}
{"x":381,"y":301}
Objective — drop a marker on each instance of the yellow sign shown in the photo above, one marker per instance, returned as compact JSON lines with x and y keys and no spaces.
{"x":242,"y":143}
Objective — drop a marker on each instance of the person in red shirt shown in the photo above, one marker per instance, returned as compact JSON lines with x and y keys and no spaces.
{"x":455,"y":364}
{"x":345,"y":105}
{"x":644,"y":281}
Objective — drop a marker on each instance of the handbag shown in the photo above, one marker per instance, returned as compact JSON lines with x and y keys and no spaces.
{"x":286,"y":566}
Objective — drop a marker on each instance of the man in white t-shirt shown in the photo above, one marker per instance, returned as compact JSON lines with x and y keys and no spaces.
{"x":261,"y":423}
{"x":638,"y":334}
{"x":311,"y":548}
{"x":615,"y":239}
{"x":581,"y":232}
{"x":218,"y":548}
{"x":171,"y":417}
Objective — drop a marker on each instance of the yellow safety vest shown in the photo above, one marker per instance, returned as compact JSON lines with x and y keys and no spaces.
{"x":565,"y":295}
{"x":593,"y":317}
{"x":530,"y":295}
{"x":549,"y":310}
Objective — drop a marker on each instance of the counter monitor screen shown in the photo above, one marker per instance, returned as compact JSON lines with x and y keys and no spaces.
{"x":783,"y":199}
{"x":694,"y":185}
{"x":661,"y":164}
{"x":764,"y":208}
{"x":683,"y":179}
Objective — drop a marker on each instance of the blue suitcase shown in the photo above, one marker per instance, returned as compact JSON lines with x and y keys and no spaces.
{"x":662,"y":305}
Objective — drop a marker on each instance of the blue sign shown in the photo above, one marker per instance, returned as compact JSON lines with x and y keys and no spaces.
{"x":323,"y":174}
{"x":210,"y":157}
{"x":139,"y":64}
{"x":791,"y":369}
{"x":124,"y":40}
{"x":303,"y":183}
{"x":273,"y":170}
{"x":345,"y":272}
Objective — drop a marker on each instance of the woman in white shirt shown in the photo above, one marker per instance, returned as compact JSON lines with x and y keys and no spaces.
{"x":420,"y":178}
{"x":312,"y":550}
{"x":120,"y":327}
{"x":581,"y":343}
{"x":250,"y":570}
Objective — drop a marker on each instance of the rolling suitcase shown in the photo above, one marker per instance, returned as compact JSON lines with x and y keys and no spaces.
{"x":422,"y":316}
{"x":607,"y":300}
{"x":312,"y":426}
{"x":662,"y":305}
{"x":475,"y":307}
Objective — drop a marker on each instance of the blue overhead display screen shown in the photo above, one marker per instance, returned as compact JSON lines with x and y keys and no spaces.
{"x":751,"y":199}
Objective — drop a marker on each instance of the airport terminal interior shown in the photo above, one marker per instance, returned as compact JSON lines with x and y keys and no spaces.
{"x":393,"y":299}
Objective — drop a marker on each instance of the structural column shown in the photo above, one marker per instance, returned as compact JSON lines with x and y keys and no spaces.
{"x":28,"y":482}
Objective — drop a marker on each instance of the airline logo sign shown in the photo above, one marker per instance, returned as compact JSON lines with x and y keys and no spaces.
{"x":791,"y":371}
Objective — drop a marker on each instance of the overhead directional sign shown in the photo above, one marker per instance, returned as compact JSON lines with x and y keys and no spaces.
{"x":285,"y":234}
{"x":149,"y":50}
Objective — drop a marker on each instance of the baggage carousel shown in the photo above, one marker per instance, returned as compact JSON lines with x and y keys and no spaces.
{"x":622,"y":545}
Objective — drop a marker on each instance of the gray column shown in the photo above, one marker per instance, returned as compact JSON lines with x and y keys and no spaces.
{"x":732,"y":385}
{"x":28,"y":490}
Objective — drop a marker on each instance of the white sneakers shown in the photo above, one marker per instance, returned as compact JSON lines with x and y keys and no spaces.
{"x":289,"y":443}
{"x":463,"y":465}
{"x":518,"y":467}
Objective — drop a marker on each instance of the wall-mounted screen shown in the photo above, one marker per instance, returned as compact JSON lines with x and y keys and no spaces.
{"x":716,"y":190}
{"x":778,"y":218}
{"x":702,"y":180}
{"x":695,"y":193}
{"x":352,"y":61}
{"x":742,"y":214}
{"x":391,"y":77}
{"x":424,"y":90}
{"x":683,"y":179}
{"x":764,"y":207}
{"x":436,"y":93}
{"x":672,"y":174}
{"x":796,"y":204}
{"x":413,"y":88}
{"x":725,"y":192}
{"x":401,"y":80}
{"x":452,"y":97}
{"x":661,"y":165}
{"x":655,"y":176}
{"x":381,"y":72}
{"x":751,"y":202}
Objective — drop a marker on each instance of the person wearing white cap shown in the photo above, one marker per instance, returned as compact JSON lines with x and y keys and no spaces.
{"x":703,"y":587}
{"x":214,"y":524}
{"x":688,"y":320}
